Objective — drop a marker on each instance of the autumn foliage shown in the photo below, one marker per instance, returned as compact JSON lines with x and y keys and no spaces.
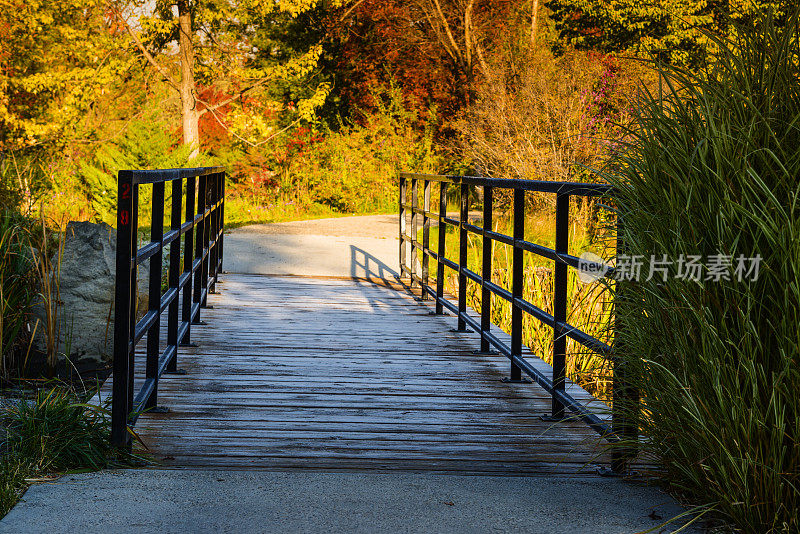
{"x":432,"y":55}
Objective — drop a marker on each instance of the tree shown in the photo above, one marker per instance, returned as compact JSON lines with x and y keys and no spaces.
{"x":454,"y":28}
{"x":673,"y":30}
{"x":433,"y":49}
{"x":217,"y":47}
{"x":56,"y":60}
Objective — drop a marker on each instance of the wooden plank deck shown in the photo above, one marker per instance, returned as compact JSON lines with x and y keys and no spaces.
{"x":343,"y":374}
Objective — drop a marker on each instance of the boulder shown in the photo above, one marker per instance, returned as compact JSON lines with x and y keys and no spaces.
{"x":87,"y":281}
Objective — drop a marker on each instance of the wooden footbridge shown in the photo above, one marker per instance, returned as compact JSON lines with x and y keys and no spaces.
{"x":344,"y":374}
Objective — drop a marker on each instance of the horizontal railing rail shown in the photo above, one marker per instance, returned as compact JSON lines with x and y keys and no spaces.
{"x":195,"y":240}
{"x":623,"y":425}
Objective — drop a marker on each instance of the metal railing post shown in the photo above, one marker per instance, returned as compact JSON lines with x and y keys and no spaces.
{"x":402,"y":205}
{"x":414,"y":206}
{"x":205,"y":251}
{"x":173,"y":316}
{"x":440,"y":249}
{"x":188,"y":257}
{"x":213,"y":234}
{"x":486,"y":271}
{"x":462,"y":258}
{"x":197,"y":293}
{"x":517,"y":283}
{"x":123,"y":296}
{"x":223,"y":179}
{"x":134,"y":303}
{"x":560,"y":304}
{"x":426,"y":234}
{"x":154,"y":293}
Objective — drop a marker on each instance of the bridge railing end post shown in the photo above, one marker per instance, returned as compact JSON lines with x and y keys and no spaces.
{"x":124,"y":295}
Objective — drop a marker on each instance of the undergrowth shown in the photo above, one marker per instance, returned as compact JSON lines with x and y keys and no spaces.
{"x":55,"y":432}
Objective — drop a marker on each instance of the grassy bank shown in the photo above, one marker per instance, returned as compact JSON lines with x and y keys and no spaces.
{"x":51,"y":433}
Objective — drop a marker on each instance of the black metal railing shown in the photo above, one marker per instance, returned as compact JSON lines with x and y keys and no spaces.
{"x":623,"y":425}
{"x":198,"y":216}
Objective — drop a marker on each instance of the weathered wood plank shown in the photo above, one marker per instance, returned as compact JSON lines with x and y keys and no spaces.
{"x":340,"y":374}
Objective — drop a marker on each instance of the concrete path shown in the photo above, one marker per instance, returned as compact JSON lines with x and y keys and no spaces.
{"x":364,"y":247}
{"x":189,"y":501}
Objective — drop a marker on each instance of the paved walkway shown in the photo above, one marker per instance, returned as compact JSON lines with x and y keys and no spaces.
{"x":365,"y":247}
{"x":249,"y":502}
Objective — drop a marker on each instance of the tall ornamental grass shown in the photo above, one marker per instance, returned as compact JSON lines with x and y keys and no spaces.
{"x":712,"y":167}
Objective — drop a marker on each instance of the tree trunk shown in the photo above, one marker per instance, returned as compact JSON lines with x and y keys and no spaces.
{"x":189,"y":115}
{"x":534,"y":21}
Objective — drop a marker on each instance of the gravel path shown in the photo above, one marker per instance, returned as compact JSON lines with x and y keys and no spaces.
{"x":365,"y":246}
{"x":375,"y":226}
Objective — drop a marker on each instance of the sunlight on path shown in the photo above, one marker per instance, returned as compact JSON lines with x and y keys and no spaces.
{"x":365,"y":246}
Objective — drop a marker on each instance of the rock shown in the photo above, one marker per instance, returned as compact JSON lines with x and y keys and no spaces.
{"x":87,"y":281}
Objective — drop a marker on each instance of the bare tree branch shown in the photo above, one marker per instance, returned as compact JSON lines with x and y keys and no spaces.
{"x":352,"y":8}
{"x":468,"y":36}
{"x":146,"y":53}
{"x":243,"y":140}
{"x":238,"y":95}
{"x":449,"y":33}
{"x":534,"y":20}
{"x":481,"y":60}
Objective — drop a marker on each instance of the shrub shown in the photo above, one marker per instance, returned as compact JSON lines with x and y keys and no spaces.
{"x":25,"y":177}
{"x":538,"y":116}
{"x":711,"y":168}
{"x":53,"y":432}
{"x":56,"y":431}
{"x":12,"y":482}
{"x":355,"y":169}
{"x":143,"y":145}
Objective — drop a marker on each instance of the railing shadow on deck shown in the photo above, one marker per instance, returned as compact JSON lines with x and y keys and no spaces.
{"x":366,"y":265}
{"x":369,"y":268}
